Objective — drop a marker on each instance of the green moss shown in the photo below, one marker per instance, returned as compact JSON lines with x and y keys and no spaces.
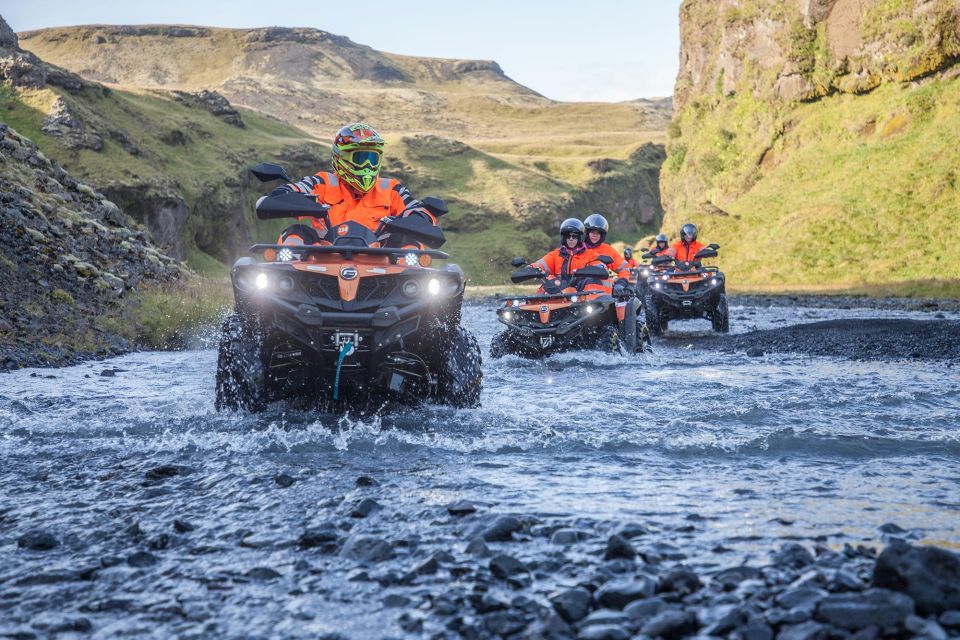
{"x":59,"y":295}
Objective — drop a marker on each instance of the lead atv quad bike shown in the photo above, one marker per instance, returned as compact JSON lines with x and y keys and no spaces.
{"x":677,"y":290}
{"x":356,"y":322}
{"x":564,"y":318}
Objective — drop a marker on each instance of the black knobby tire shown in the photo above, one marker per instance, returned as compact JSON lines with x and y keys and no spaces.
{"x":654,"y":326}
{"x":241,"y":376}
{"x":630,"y":327}
{"x":500,"y":346}
{"x":720,"y":318}
{"x":609,"y":340}
{"x":461,"y":376}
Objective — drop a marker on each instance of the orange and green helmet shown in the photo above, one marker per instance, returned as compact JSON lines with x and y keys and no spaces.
{"x":357,"y":155}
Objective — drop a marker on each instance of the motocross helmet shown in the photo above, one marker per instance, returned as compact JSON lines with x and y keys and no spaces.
{"x":688,"y":232}
{"x":598,"y":222}
{"x":662,"y":242}
{"x":357,"y":155}
{"x":571,"y":226}
{"x":627,"y":253}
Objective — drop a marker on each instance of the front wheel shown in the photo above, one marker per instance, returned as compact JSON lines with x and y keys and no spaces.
{"x":632,"y":327}
{"x":609,"y":340}
{"x":654,"y":325}
{"x":720,"y":318}
{"x":241,"y":376}
{"x":460,"y":377}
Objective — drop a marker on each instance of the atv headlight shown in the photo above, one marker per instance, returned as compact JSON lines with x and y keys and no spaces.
{"x":411,"y":260}
{"x":508,"y":315}
{"x":713,"y":281}
{"x":589,"y":309}
{"x":433,"y":286}
{"x":261,"y":281}
{"x":411,"y":288}
{"x":657,"y":285}
{"x":574,"y":298}
{"x":285,"y":284}
{"x":646,"y":272}
{"x":285,"y":255}
{"x":516,"y":303}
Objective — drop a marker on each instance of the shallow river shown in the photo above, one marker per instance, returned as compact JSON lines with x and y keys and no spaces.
{"x":722,"y":455}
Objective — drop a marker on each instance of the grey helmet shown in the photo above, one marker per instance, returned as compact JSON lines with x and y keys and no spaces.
{"x":661,"y":238}
{"x":627,"y":253}
{"x":688,"y":230}
{"x":571,"y":226}
{"x":598,"y":222}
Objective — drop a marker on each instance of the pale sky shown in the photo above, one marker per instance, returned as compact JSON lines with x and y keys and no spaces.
{"x":603,"y":50}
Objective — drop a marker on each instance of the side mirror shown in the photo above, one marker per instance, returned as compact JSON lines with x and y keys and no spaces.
{"x":266,"y":172}
{"x":713,"y":246}
{"x":518,"y":262}
{"x":661,"y":260}
{"x":436,"y":206}
{"x":607,"y":260}
{"x":705,"y":253}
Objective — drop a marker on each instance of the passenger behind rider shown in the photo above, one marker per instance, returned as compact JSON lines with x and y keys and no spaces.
{"x":628,"y":256}
{"x":661,"y":245}
{"x":687,"y":247}
{"x":354,"y":190}
{"x":597,"y":228}
{"x":572,"y":255}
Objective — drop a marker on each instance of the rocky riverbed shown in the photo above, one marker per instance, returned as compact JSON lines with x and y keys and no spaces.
{"x":689,"y":491}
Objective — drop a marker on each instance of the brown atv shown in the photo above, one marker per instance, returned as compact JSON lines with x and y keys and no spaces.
{"x":357,"y":321}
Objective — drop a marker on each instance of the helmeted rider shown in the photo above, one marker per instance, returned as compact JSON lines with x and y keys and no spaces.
{"x":354,"y":190}
{"x":596,"y":239}
{"x":628,"y":256}
{"x":571,"y":255}
{"x":660,"y":245}
{"x":687,"y":247}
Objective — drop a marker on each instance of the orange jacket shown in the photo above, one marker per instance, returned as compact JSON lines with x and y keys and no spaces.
{"x":387,"y":198}
{"x":560,"y":262}
{"x":619,"y":265}
{"x":684,"y":252}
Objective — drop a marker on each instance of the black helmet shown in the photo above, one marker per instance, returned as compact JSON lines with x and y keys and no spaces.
{"x":661,"y":238}
{"x":598,"y":222}
{"x":570,"y":226}
{"x":627,"y":253}
{"x":688,"y":230}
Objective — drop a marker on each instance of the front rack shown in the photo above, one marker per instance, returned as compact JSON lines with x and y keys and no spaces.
{"x":348,"y":252}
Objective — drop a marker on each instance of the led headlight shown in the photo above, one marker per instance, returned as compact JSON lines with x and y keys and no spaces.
{"x":656,"y":286}
{"x":411,"y":288}
{"x":285,"y":284}
{"x":589,"y":309}
{"x":646,"y":272}
{"x":508,"y":315}
{"x":261,"y":281}
{"x":516,"y":303}
{"x":713,"y":281}
{"x":433,"y":286}
{"x":285,"y":255}
{"x":411,"y":260}
{"x":574,"y":298}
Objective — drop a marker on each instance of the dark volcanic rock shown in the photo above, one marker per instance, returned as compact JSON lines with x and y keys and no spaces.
{"x":461,"y":508}
{"x":859,"y":610}
{"x":568,"y":536}
{"x":929,"y":575}
{"x":682,"y":582}
{"x":604,"y":632}
{"x":37,"y":541}
{"x":318,"y":537}
{"x":619,"y":547}
{"x":262,"y":573}
{"x":642,"y":610}
{"x":573,"y":604}
{"x":284,"y":480}
{"x":504,"y":566}
{"x":793,"y":555}
{"x":617,"y":594}
{"x":364,"y":508}
{"x":366,"y":481}
{"x":502,"y":529}
{"x":670,"y":624}
{"x":141,"y":559}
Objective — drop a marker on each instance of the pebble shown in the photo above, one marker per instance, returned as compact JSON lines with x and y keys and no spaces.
{"x":604,"y":632}
{"x":504,"y":566}
{"x":37,"y":541}
{"x":856,"y":611}
{"x":262,"y":573}
{"x":367,"y":481}
{"x":682,"y":582}
{"x":793,"y":555}
{"x":182,"y":526}
{"x":568,"y":536}
{"x":478,"y":548}
{"x":573,"y":604}
{"x":617,"y":594}
{"x":283,"y":480}
{"x":502,"y":529}
{"x":141,"y":559}
{"x":461,"y":508}
{"x":364,"y":508}
{"x":670,"y":624}
{"x":366,"y":548}
{"x":318,"y":537}
{"x":642,"y":610}
{"x":619,"y":547}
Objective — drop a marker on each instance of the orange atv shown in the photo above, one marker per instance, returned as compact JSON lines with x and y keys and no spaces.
{"x":569,"y":314}
{"x":354,"y":322}
{"x":677,"y":290}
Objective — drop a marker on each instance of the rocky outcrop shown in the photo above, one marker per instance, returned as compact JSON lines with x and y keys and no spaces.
{"x":71,"y":261}
{"x":23,"y":69}
{"x":212,"y":102}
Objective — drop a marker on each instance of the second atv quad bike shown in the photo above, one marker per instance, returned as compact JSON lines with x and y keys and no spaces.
{"x":561,"y":318}
{"x":678,"y":290}
{"x":358,"y":321}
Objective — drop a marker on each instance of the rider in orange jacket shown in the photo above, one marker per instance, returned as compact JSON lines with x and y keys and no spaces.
{"x":687,"y":247}
{"x":628,"y":256}
{"x":597,"y":227}
{"x":572,"y":254}
{"x":661,"y":246}
{"x":354,"y":190}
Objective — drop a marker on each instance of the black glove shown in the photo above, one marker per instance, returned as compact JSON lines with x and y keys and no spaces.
{"x":622,"y":288}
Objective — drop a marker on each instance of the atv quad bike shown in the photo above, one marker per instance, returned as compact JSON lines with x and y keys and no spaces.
{"x":677,"y":290}
{"x":358,"y":321}
{"x":565,"y":318}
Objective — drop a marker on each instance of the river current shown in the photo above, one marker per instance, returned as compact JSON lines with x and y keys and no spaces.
{"x":722,"y":454}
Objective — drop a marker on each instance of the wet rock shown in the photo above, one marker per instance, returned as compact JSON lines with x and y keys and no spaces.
{"x":395,"y":600}
{"x":805,"y":631}
{"x":425,"y":568}
{"x":682,"y":582}
{"x":182,"y":526}
{"x":159,"y":543}
{"x":603,"y":632}
{"x":670,"y":624}
{"x":141,"y":559}
{"x":927,"y":629}
{"x":504,"y":623}
{"x":754,"y":352}
{"x":950,"y":619}
{"x":573,"y":604}
{"x":929,"y":575}
{"x":619,"y":547}
{"x":366,"y":481}
{"x":605,"y":616}
{"x":504,"y":566}
{"x":262,"y":573}
{"x":165,"y":471}
{"x":634,"y":530}
{"x":461,"y":508}
{"x":364,"y":508}
{"x":793,"y":555}
{"x":617,"y":594}
{"x":502,"y":529}
{"x":756,"y":630}
{"x":568,"y":536}
{"x":859,"y":610}
{"x":366,"y":548}
{"x":318,"y":537}
{"x":283,"y":480}
{"x":800,"y":597}
{"x":37,"y":541}
{"x":730,"y":578}
{"x":478,"y":548}
{"x":642,"y":610}
{"x":890,"y":527}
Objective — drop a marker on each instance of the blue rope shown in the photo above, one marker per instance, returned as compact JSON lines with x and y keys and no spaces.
{"x":336,"y":380}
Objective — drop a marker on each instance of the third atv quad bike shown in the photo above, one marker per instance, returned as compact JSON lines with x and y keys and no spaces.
{"x":355,"y":322}
{"x":678,"y":290}
{"x":561,"y":318}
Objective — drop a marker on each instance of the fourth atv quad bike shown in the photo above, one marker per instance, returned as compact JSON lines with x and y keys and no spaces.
{"x":568,"y":318}
{"x":355,"y":322}
{"x":677,"y":290}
